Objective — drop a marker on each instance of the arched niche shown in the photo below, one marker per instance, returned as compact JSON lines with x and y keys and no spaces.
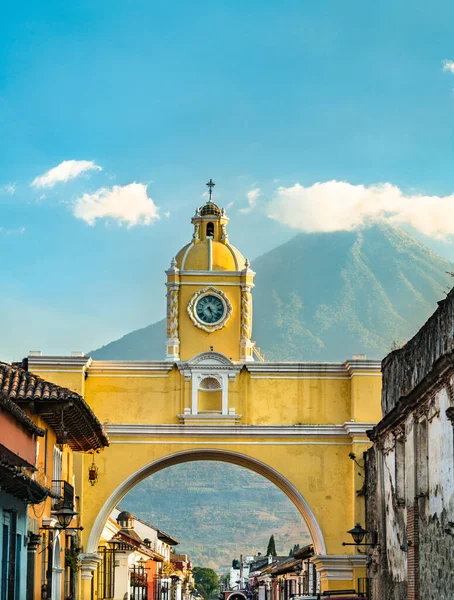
{"x":210,"y":395}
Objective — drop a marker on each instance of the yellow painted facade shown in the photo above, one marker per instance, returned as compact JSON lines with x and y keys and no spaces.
{"x":213,"y":399}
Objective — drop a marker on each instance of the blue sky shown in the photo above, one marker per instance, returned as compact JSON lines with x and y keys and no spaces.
{"x":260,"y":96}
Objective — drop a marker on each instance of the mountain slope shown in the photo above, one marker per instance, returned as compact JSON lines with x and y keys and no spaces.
{"x":325,"y":296}
{"x":217,"y":511}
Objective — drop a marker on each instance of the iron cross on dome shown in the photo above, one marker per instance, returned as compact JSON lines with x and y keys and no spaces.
{"x":210,"y":185}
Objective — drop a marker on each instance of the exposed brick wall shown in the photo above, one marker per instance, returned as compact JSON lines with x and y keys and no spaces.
{"x":413,"y":552}
{"x":384,"y":584}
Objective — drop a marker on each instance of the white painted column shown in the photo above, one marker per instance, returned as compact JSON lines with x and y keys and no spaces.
{"x":225,"y":394}
{"x":195,"y":393}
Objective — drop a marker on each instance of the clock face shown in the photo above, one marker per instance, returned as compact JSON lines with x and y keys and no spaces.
{"x":210,"y":309}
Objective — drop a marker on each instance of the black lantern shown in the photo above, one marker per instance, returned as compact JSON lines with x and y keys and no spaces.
{"x":62,"y":438}
{"x":62,"y":434}
{"x":93,"y":472}
{"x":64,"y":516}
{"x":358,"y":534}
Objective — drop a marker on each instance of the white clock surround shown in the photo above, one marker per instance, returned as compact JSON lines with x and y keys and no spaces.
{"x":192,"y":312}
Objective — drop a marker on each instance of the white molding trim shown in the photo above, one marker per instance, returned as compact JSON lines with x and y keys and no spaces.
{"x":258,"y":370}
{"x":136,"y":376}
{"x":218,"y":273}
{"x":354,"y":428}
{"x":209,"y":358}
{"x":366,"y":367}
{"x":302,"y":377}
{"x":347,"y":430}
{"x":109,"y":366}
{"x":337,"y":567}
{"x":208,"y":281}
{"x":76,"y":362}
{"x":183,"y":260}
{"x":232,"y":252}
{"x":171,"y":442}
{"x":216,"y":455}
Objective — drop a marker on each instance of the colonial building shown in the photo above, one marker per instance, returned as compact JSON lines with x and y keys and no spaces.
{"x":213,"y":397}
{"x":18,"y":490}
{"x":138,"y":563}
{"x":410,"y":470}
{"x":285,"y":578}
{"x":66,"y":427}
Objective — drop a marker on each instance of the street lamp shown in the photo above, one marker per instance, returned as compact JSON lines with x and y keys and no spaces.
{"x":142,"y":562}
{"x":298,"y":569}
{"x":64,"y":516}
{"x":358,"y":534}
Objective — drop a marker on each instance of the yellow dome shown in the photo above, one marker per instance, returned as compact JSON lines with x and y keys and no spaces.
{"x":224,"y":257}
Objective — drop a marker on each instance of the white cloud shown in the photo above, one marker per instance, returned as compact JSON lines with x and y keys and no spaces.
{"x":66,"y":170}
{"x":448,"y":65}
{"x":339,"y":205}
{"x":128,"y":204}
{"x":9,"y":188}
{"x":251,"y":196}
{"x":167,"y":214}
{"x":18,"y":231}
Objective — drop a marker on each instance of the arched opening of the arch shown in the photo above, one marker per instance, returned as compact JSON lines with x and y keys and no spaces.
{"x":209,"y":455}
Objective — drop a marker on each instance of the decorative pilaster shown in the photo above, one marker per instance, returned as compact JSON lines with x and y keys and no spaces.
{"x":88,"y":564}
{"x":173,"y":341}
{"x":333,"y":569}
{"x":246,"y":346}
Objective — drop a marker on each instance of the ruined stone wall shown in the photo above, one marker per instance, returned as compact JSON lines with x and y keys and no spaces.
{"x":436,"y":555}
{"x":404,"y":369}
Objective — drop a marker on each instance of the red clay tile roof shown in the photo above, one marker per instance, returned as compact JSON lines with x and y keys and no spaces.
{"x":84,"y":431}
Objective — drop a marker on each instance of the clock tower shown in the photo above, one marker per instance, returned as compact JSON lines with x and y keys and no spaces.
{"x":209,"y":301}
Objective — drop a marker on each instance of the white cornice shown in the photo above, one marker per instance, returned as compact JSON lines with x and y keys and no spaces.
{"x":353,"y":428}
{"x":51,"y":362}
{"x":219,"y":273}
{"x":348,"y":369}
{"x":258,"y":370}
{"x":347,"y":430}
{"x":147,"y":366}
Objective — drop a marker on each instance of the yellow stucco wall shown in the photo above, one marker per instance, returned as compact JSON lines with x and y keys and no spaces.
{"x":317,"y":465}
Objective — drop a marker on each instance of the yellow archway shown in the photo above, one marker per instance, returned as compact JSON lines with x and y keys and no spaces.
{"x":296,"y":423}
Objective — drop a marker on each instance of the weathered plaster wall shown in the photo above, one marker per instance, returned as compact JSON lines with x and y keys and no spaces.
{"x":387,"y":561}
{"x":416,"y":540}
{"x":436,"y":537}
{"x":404,"y":369}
